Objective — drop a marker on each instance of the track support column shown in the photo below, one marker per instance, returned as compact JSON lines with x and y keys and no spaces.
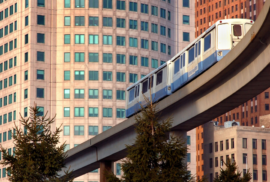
{"x":105,"y":166}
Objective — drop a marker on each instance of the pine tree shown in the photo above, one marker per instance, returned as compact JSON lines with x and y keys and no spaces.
{"x":154,"y":158}
{"x":230,"y":173}
{"x":37,"y":156}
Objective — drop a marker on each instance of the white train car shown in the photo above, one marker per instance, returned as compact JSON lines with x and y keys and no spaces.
{"x":209,"y":48}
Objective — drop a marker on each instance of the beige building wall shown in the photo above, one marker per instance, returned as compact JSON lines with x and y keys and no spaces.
{"x":246,"y":140}
{"x":192,"y":151}
{"x":54,"y":66}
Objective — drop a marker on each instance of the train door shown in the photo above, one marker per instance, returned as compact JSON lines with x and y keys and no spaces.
{"x":198,"y":55}
{"x":147,"y":88}
{"x":237,"y":33}
{"x":192,"y":67}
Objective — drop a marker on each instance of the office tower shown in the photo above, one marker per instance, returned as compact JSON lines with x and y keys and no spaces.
{"x":75,"y":59}
{"x":207,"y":13}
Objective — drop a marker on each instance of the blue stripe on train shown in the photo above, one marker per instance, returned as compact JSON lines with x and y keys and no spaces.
{"x":133,"y":109}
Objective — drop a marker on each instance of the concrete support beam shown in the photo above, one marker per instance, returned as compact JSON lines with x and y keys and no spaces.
{"x":105,"y":166}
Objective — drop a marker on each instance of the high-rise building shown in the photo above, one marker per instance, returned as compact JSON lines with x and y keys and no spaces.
{"x":75,"y":59}
{"x":207,"y":13}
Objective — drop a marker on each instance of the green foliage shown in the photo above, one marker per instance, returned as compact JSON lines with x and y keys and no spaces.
{"x":38,"y":157}
{"x":230,"y":173}
{"x":154,"y":158}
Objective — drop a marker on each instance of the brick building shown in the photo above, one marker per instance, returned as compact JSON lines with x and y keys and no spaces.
{"x":207,"y":12}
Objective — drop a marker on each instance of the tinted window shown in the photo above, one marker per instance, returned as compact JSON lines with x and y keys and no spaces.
{"x":207,"y":42}
{"x":159,"y":77}
{"x":191,"y":55}
{"x":145,"y":86}
{"x":237,"y":30}
{"x":131,"y":95}
{"x":176,"y":66}
{"x":184,"y":59}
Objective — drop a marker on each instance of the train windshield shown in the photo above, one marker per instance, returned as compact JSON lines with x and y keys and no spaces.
{"x":237,"y":30}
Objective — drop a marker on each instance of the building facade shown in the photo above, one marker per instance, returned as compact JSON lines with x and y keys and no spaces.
{"x":249,"y":113}
{"x":245,"y":145}
{"x":75,"y":59}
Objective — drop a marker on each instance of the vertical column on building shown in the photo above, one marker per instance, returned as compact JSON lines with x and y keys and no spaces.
{"x":105,"y":166}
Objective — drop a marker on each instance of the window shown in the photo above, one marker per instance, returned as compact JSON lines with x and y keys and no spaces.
{"x":133,"y":24}
{"x":227,"y":144}
{"x":104,"y":128}
{"x":133,"y":77}
{"x":26,"y":75}
{"x":6,"y":12}
{"x":162,"y":13}
{"x":67,"y":38}
{"x":133,"y":60}
{"x":79,"y":75}
{"x":93,"y":112}
{"x":10,"y":136}
{"x":232,"y":143}
{"x":93,"y":57}
{"x":154,"y":63}
{"x":210,"y":163}
{"x":93,"y":21}
{"x":107,"y":112}
{"x":264,"y":172}
{"x":169,"y":15}
{"x":79,"y":39}
{"x":120,"y":23}
{"x":163,"y":48}
{"x":210,"y":148}
{"x":120,"y":95}
{"x":144,"y":61}
{"x":144,"y":43}
{"x":254,"y":143}
{"x":107,"y":22}
{"x":154,"y":10}
{"x":93,"y":75}
{"x":120,"y":113}
{"x":207,"y":42}
{"x":107,"y":39}
{"x":263,"y":144}
{"x":66,"y":93}
{"x":40,"y":74}
{"x":25,"y":93}
{"x":185,"y":36}
{"x":40,"y":20}
{"x":66,"y":75}
{"x":216,"y":146}
{"x":79,"y":3}
{"x":154,"y":28}
{"x":66,"y":112}
{"x":66,"y":131}
{"x":267,"y":107}
{"x":93,"y":94}
{"x":120,"y":58}
{"x":254,"y":159}
{"x":41,"y":3}
{"x":144,"y":8}
{"x":107,"y":76}
{"x":93,"y":3}
{"x":93,"y":39}
{"x":255,"y":175}
{"x":154,"y":46}
{"x":107,"y":4}
{"x":67,"y":3}
{"x":79,"y":112}
{"x":121,"y":41}
{"x":40,"y":38}
{"x":11,"y":28}
{"x":133,"y":6}
{"x":120,"y":77}
{"x":107,"y":94}
{"x":144,"y":26}
{"x":216,"y":161}
{"x":133,"y":42}
{"x":79,"y":21}
{"x":118,"y":169}
{"x":186,"y":19}
{"x":25,"y":112}
{"x":107,"y":57}
{"x":79,"y":56}
{"x":93,"y":130}
{"x":221,"y":145}
{"x":78,"y":130}
{"x":41,"y":56}
{"x":266,"y":95}
{"x":26,"y":39}
{"x":244,"y":143}
{"x":264,"y":160}
{"x":121,"y":5}
{"x":40,"y":92}
{"x":26,"y":57}
{"x":79,"y":93}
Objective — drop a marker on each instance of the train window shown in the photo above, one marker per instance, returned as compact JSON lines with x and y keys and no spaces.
{"x":176,"y":66}
{"x":199,"y":48}
{"x":207,"y":42}
{"x":145,"y":86}
{"x":237,"y":30}
{"x":195,"y":50}
{"x":151,"y":81}
{"x":191,"y":55}
{"x":159,"y":77}
{"x":184,"y":59}
{"x":131,"y":94}
{"x":138,"y":90}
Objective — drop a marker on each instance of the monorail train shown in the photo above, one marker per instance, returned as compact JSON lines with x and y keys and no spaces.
{"x":209,"y":48}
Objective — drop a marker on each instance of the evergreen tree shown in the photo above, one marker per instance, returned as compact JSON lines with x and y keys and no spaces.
{"x":230,"y":173}
{"x":154,"y":158}
{"x":37,"y":156}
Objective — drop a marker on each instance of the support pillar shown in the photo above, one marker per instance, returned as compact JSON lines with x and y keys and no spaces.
{"x":105,"y":166}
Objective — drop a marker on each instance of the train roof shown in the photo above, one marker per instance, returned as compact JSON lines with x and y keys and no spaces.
{"x":240,"y":20}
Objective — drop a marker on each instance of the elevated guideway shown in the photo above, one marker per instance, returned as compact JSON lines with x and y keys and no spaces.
{"x":242,"y":74}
